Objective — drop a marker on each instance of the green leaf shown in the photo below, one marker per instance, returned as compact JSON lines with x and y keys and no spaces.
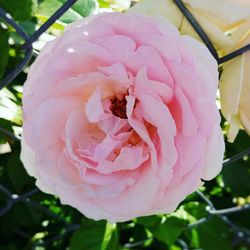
{"x":170,"y":230}
{"x":25,"y":215}
{"x":20,"y":10}
{"x":6,"y":125}
{"x":149,"y":221}
{"x":195,"y":209}
{"x":76,"y":12}
{"x":175,"y":248}
{"x":213,"y":235}
{"x":83,"y":7}
{"x":236,"y":178}
{"x":9,"y":246}
{"x":16,"y":171}
{"x":28,"y":26}
{"x":4,"y":50}
{"x":9,"y":109}
{"x":48,"y":7}
{"x":92,"y":236}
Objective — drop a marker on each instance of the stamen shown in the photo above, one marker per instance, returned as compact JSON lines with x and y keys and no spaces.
{"x":118,"y":107}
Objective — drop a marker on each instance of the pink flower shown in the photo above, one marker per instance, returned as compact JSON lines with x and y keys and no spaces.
{"x":120,"y":117}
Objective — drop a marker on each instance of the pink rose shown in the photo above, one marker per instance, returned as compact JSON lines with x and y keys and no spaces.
{"x":120,"y":117}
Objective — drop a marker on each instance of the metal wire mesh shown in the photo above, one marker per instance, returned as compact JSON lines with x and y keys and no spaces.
{"x":69,"y":227}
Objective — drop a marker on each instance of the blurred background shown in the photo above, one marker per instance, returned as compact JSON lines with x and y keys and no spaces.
{"x":214,"y":218}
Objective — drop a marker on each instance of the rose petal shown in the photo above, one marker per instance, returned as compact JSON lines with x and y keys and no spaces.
{"x":143,"y":85}
{"x":182,"y":113}
{"x":93,"y":108}
{"x":139,"y":196}
{"x":128,"y":159}
{"x":43,"y":119}
{"x":165,"y":126}
{"x":214,"y":153}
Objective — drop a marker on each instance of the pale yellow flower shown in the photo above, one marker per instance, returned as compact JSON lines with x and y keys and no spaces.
{"x":227,"y":24}
{"x":235,"y":91}
{"x":216,"y":17}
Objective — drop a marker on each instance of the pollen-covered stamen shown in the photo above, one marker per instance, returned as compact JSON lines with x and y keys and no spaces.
{"x":118,"y":107}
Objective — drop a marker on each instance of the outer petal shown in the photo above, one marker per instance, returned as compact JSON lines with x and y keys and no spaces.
{"x":40,"y":129}
{"x":139,"y":197}
{"x":29,"y":160}
{"x":214,"y":153}
{"x":73,"y":194}
{"x":231,"y":84}
{"x":206,"y":61}
{"x":172,"y":196}
{"x":28,"y":157}
{"x":245,"y":95}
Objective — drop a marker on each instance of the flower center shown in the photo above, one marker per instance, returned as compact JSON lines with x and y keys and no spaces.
{"x":118,"y":107}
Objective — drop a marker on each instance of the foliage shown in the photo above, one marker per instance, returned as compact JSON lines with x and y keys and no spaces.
{"x":38,"y":221}
{"x":80,"y":9}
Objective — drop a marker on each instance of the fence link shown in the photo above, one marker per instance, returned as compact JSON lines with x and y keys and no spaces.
{"x":26,"y":198}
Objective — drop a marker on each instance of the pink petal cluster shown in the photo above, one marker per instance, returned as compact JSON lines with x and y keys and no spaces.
{"x":120,"y":117}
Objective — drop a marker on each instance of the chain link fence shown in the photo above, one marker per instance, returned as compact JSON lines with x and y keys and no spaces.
{"x":26,"y":198}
